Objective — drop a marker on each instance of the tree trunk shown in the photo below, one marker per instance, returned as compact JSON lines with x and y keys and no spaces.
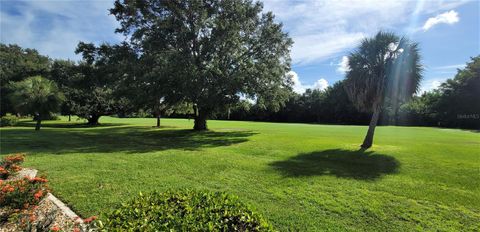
{"x":93,"y":120}
{"x":200,"y":121}
{"x":158,"y":119}
{"x":69,"y":117}
{"x":39,"y":123}
{"x":368,"y":141}
{"x":396,"y":116}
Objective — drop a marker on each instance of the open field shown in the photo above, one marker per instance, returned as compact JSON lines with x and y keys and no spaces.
{"x":299,"y":176}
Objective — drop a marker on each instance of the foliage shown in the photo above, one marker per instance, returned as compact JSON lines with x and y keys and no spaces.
{"x":22,"y":194}
{"x":215,"y":50}
{"x":63,"y":73}
{"x":337,"y":108}
{"x":421,"y":110}
{"x":458,"y":105}
{"x":314,"y":106}
{"x":16,"y":64}
{"x":97,"y":79}
{"x":37,"y":96}
{"x":451,"y":105}
{"x":8,"y":120}
{"x":384,"y":69}
{"x":133,"y":94}
{"x":10,"y":165}
{"x":185,"y":210}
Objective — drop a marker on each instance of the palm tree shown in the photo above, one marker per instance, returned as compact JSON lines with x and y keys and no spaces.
{"x":36,"y":95}
{"x":385,"y":68}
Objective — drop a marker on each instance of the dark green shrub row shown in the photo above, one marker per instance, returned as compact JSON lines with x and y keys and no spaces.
{"x":184,"y":210}
{"x":8,"y":120}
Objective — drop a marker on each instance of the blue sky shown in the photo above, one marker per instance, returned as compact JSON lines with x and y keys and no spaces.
{"x":323,"y":31}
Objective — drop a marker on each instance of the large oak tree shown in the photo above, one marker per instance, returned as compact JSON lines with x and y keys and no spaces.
{"x":102,"y":81}
{"x":217,"y":50}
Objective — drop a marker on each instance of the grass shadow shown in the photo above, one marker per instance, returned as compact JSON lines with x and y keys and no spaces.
{"x":53,"y":124}
{"x":114,"y":139}
{"x":362,"y":165}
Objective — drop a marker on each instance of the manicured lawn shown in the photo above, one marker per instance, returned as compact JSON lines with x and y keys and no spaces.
{"x":300,"y":177}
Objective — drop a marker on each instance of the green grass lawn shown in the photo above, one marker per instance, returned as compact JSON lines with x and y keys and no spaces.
{"x":301,"y":177}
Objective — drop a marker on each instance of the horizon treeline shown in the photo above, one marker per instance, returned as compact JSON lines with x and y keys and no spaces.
{"x":91,"y":88}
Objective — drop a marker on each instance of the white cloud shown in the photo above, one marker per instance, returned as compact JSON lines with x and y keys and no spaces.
{"x":320,"y":84}
{"x":436,"y":84}
{"x":317,"y":47}
{"x":449,"y":17}
{"x":54,"y":28}
{"x":454,"y":66}
{"x":320,"y":29}
{"x":431,"y":84}
{"x":297,"y":85}
{"x":343,"y":65}
{"x":300,"y":88}
{"x":324,"y":29}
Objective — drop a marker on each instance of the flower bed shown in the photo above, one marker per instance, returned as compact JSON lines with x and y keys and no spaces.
{"x":27,"y":205}
{"x":10,"y":165}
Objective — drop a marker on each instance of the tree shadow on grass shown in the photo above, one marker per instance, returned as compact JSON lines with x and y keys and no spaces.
{"x":114,"y":139}
{"x":362,"y":165}
{"x":54,"y":124}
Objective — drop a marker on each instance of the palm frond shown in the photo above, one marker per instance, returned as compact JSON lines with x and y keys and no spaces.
{"x":383,"y":67}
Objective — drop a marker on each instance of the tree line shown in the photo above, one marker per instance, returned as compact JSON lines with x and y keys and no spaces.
{"x":454,"y":104}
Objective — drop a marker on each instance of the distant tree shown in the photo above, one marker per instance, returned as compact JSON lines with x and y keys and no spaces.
{"x":459,"y":104}
{"x":101,"y":81}
{"x":336,"y":107}
{"x":421,"y":110}
{"x":240,"y":110}
{"x":384,"y":68}
{"x":156,"y":84}
{"x":312,"y":100}
{"x":16,"y":64}
{"x":36,"y":95}
{"x":62,"y":72}
{"x":219,"y":50}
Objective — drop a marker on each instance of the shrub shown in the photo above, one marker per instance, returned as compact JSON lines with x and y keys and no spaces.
{"x":10,"y":164}
{"x":184,"y":210}
{"x":8,"y":120}
{"x":22,"y":194}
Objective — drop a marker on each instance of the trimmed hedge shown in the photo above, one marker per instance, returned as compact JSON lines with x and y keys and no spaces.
{"x":184,"y":210}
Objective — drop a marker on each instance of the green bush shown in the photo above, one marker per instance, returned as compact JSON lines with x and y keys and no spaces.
{"x":8,"y":120}
{"x":184,"y":210}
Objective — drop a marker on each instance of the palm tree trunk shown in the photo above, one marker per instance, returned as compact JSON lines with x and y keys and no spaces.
{"x":368,"y":141}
